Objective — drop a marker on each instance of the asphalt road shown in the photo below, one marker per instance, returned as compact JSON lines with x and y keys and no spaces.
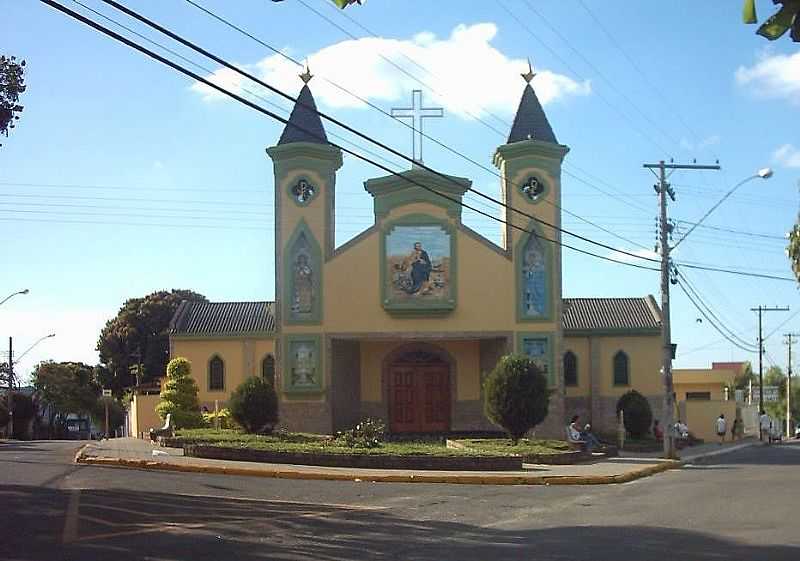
{"x":741,"y":505}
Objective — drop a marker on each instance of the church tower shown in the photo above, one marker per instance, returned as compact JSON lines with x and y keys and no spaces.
{"x":530,"y":167}
{"x":305,"y":167}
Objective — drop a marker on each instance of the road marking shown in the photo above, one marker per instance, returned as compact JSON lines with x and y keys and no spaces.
{"x":70,"y":533}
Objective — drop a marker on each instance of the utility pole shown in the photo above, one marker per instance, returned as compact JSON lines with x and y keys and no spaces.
{"x":10,"y":397}
{"x":663,"y":189}
{"x":761,"y":310}
{"x":789,"y":340}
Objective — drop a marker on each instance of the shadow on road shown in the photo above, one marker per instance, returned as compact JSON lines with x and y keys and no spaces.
{"x":121,"y":524}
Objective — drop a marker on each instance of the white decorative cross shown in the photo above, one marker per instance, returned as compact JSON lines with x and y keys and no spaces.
{"x":416,"y":113}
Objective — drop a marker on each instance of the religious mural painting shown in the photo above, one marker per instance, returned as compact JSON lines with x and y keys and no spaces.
{"x":538,"y":350}
{"x":303,"y":277}
{"x":304,"y":369}
{"x":418,"y":265}
{"x":533,"y":273}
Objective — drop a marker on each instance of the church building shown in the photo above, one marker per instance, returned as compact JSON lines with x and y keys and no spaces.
{"x":406,"y":319}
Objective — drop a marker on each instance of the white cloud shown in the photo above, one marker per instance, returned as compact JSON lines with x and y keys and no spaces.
{"x":773,"y":76}
{"x":624,"y":257}
{"x":712,"y":140}
{"x":465,"y":68}
{"x":787,"y":156}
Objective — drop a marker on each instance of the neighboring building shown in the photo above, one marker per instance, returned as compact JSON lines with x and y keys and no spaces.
{"x":406,"y":319}
{"x":706,"y":384}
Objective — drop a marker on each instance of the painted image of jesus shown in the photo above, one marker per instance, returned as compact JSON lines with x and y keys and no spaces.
{"x":420,"y":265}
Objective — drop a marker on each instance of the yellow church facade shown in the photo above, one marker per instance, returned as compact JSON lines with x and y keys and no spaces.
{"x":405,"y":320}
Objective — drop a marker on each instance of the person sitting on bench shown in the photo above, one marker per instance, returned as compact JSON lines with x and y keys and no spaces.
{"x":585,"y":436}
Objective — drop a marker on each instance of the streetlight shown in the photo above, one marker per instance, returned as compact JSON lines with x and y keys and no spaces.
{"x":11,"y":361}
{"x":10,"y":296}
{"x":39,"y":340}
{"x":763,"y":173}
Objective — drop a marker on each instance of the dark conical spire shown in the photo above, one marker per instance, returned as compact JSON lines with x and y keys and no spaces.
{"x":530,"y":122}
{"x":304,"y":124}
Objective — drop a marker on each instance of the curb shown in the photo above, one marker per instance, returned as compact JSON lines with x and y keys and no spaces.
{"x":463,"y":479}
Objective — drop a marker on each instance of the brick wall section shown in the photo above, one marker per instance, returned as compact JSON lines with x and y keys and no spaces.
{"x":306,"y":416}
{"x":345,"y":380}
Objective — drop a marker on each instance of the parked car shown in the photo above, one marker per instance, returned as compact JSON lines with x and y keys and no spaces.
{"x":78,"y":429}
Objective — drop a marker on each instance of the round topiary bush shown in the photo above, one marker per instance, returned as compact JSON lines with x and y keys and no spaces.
{"x":516,"y":396}
{"x":638,"y":414}
{"x":179,"y":396}
{"x":254,"y":405}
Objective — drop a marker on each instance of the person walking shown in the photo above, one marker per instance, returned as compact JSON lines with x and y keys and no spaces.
{"x":722,"y":428}
{"x":764,"y":424}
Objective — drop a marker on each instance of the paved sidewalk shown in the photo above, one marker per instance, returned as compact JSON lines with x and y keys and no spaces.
{"x":688,"y":455}
{"x":136,"y":453}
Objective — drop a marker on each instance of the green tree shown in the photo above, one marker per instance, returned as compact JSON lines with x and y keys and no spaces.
{"x":116,"y":413}
{"x":638,"y":414}
{"x":787,"y":17}
{"x":12,"y":84}
{"x":254,"y":405}
{"x":66,"y":387}
{"x":139,"y":334}
{"x":179,"y":396}
{"x":516,"y":396}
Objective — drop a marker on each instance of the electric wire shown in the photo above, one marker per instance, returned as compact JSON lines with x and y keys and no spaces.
{"x":240,"y":99}
{"x":381,"y":110}
{"x":350,"y":129}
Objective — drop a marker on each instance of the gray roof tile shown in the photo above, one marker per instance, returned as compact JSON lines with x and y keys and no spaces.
{"x":611,"y":314}
{"x":223,"y":318}
{"x":304,"y":124}
{"x":530,"y":122}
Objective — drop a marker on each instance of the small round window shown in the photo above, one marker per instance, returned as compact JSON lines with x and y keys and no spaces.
{"x":532,"y":188}
{"x":303,"y":191}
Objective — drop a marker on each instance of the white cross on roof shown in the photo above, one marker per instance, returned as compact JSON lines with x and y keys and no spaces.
{"x":416,"y":113}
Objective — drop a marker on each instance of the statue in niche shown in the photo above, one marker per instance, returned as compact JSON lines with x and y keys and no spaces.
{"x":534,"y":294}
{"x":302,"y":278}
{"x":304,"y":371}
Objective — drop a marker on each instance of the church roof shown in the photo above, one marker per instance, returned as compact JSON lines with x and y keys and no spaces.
{"x":304,"y":123}
{"x":530,"y":122}
{"x":223,"y":318}
{"x":611,"y":314}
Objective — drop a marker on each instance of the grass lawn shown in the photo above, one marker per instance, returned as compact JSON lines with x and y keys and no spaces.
{"x":309,"y":443}
{"x":525,"y":447}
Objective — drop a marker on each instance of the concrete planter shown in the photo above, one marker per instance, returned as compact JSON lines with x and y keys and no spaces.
{"x":374,"y":461}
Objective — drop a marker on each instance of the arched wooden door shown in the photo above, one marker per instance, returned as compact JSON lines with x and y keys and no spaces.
{"x":419,"y":393}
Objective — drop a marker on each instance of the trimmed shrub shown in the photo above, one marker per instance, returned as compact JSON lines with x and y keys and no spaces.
{"x":638,"y":414}
{"x":368,"y":433}
{"x":223,"y":417}
{"x":516,"y":396}
{"x":179,"y":396}
{"x":254,"y":405}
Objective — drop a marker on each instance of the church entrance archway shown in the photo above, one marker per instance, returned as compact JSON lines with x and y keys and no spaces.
{"x":419,"y":393}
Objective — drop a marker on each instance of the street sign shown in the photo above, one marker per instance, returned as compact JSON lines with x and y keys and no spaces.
{"x":106,"y":393}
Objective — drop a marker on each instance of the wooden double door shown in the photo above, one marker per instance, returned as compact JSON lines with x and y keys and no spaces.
{"x":419,"y":397}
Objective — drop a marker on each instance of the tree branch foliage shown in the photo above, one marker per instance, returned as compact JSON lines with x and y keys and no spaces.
{"x":12,"y":84}
{"x":139,"y":334}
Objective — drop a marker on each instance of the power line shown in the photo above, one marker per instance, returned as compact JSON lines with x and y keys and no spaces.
{"x":240,"y":99}
{"x":711,"y":322}
{"x":530,"y":32}
{"x":350,"y":129}
{"x":707,"y":307}
{"x":733,"y":272}
{"x":381,"y":110}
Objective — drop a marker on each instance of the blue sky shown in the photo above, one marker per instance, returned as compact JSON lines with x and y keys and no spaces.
{"x":123,"y":178}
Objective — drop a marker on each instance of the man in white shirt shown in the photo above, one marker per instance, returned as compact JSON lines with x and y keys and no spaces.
{"x":765,"y":423}
{"x":721,"y":428}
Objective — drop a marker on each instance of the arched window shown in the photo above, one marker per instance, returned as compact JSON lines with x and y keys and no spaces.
{"x":570,"y":369}
{"x":268,"y":369}
{"x":216,"y":374}
{"x":621,"y":370}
